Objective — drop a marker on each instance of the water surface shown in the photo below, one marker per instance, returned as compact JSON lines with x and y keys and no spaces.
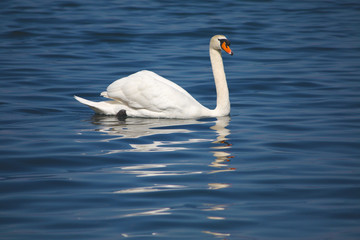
{"x":284,"y":165}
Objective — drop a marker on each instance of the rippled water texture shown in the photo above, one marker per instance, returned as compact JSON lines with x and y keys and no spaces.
{"x":284,"y":165}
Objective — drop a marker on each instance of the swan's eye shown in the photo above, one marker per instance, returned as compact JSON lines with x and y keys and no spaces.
{"x":222,"y":41}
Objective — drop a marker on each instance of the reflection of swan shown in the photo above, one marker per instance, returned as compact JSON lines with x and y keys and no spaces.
{"x":141,"y":127}
{"x":146,"y":94}
{"x":221,"y":157}
{"x":220,"y":128}
{"x":134,"y":128}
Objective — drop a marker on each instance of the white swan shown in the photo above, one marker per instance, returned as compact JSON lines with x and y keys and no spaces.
{"x":146,"y":94}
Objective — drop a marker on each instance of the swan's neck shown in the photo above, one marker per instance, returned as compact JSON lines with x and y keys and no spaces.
{"x":222,"y":91}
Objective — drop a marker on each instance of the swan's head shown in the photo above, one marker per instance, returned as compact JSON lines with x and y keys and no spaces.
{"x":219,"y":42}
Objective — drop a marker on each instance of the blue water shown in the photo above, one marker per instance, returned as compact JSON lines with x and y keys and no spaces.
{"x":284,"y":165}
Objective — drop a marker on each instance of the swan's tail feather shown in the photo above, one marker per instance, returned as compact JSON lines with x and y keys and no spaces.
{"x":104,"y":94}
{"x":107,"y":108}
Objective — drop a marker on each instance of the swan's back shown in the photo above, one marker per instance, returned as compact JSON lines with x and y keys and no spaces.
{"x":146,"y":92}
{"x":142,"y":79}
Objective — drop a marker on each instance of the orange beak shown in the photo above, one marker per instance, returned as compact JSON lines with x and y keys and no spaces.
{"x":226,"y":48}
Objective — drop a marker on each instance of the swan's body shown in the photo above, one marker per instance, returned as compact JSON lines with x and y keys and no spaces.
{"x":146,"y":94}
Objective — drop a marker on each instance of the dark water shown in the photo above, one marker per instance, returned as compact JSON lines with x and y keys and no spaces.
{"x":285,"y":165}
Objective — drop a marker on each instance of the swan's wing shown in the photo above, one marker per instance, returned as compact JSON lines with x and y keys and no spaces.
{"x":147,"y":90}
{"x":106,"y":107}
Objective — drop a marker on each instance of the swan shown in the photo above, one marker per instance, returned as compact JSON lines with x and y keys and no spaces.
{"x":148,"y":95}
